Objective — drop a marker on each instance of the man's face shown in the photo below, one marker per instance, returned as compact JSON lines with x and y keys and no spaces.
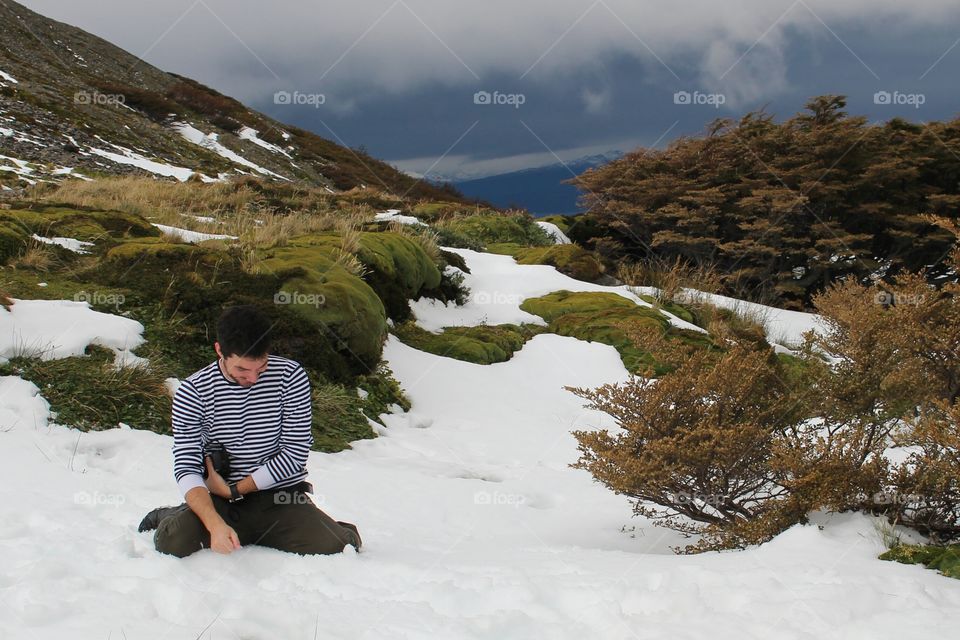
{"x":242,"y":370}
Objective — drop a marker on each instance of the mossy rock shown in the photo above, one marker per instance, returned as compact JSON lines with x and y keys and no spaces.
{"x":88,"y":225}
{"x":182,"y":276}
{"x":569,"y":259}
{"x":318,"y":295}
{"x":455,"y":260}
{"x":13,"y":239}
{"x":484,"y":344}
{"x":563,"y":222}
{"x":431,"y":211}
{"x":492,"y":229}
{"x":606,"y":317}
{"x":672,"y":307}
{"x":946,"y":560}
{"x":553,"y":305}
{"x":398,"y":270}
{"x":400,"y":258}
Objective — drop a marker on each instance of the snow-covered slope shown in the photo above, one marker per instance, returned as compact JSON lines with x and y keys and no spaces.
{"x":473,"y":523}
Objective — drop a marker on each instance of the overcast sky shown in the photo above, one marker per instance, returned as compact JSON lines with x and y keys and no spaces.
{"x":475,"y":88}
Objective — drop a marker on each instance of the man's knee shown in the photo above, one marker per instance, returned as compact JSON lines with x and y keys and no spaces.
{"x":308,"y":530}
{"x":180,"y":535}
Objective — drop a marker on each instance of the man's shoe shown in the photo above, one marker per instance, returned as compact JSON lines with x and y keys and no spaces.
{"x":152,"y":520}
{"x":352,"y":534}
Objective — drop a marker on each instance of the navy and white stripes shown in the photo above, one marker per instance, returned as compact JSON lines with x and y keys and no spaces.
{"x":265,"y":428}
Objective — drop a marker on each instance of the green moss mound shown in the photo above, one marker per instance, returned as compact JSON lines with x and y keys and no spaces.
{"x":13,"y":239}
{"x":672,"y":307}
{"x":89,"y":393}
{"x":946,"y":560}
{"x":494,"y":229}
{"x":606,"y":317}
{"x":569,"y":259}
{"x":559,"y":303}
{"x":563,"y":222}
{"x":88,"y":225}
{"x":484,"y":344}
{"x":317,"y":296}
{"x":398,"y":270}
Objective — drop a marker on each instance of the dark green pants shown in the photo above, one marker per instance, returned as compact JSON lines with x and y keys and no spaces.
{"x":284,"y":520}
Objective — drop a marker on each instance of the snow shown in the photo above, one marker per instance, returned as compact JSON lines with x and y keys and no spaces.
{"x":246,"y":133}
{"x":205,"y":219}
{"x":186,"y":235}
{"x":474,"y":524}
{"x":210,"y":141}
{"x":393,"y":215}
{"x":553,"y":230}
{"x":77,"y":246}
{"x":52,"y":329}
{"x":23,"y":406}
{"x":782,"y":326}
{"x":128,"y":156}
{"x":498,"y":285}
{"x":7,"y":77}
{"x":70,"y":171}
{"x":21,"y":168}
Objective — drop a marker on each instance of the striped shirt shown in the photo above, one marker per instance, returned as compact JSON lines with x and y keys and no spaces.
{"x":264,"y":428}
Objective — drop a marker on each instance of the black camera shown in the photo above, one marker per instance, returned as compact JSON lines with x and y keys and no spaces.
{"x":218,"y":456}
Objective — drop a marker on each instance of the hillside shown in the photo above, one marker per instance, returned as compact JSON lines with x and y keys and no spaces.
{"x":474,"y":525}
{"x":74,"y":104}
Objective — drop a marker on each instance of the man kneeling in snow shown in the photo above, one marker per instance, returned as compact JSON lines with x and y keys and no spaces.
{"x":256,"y":406}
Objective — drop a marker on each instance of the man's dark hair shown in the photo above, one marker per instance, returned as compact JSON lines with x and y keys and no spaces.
{"x":243,"y":331}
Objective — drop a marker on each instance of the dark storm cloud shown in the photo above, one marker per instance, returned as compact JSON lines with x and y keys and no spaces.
{"x":555,"y":79}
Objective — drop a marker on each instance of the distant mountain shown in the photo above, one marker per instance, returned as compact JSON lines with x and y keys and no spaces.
{"x":541,"y":190}
{"x":72,"y":103}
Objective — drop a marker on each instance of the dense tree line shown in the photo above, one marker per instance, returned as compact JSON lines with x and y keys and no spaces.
{"x":783,"y":209}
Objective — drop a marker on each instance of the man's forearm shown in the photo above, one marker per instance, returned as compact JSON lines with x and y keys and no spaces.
{"x":247,"y":485}
{"x":199,"y":501}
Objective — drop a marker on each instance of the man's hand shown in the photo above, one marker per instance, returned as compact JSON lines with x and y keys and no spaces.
{"x":215,"y":482}
{"x":223,"y":539}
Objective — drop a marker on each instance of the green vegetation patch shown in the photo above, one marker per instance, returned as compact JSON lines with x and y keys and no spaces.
{"x":483,"y":344}
{"x":340,"y":414}
{"x":398,"y":270}
{"x":569,"y":259}
{"x":607,"y":318}
{"x":672,"y":307}
{"x":493,"y":229}
{"x":946,"y":560}
{"x":88,"y":225}
{"x":88,"y":392}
